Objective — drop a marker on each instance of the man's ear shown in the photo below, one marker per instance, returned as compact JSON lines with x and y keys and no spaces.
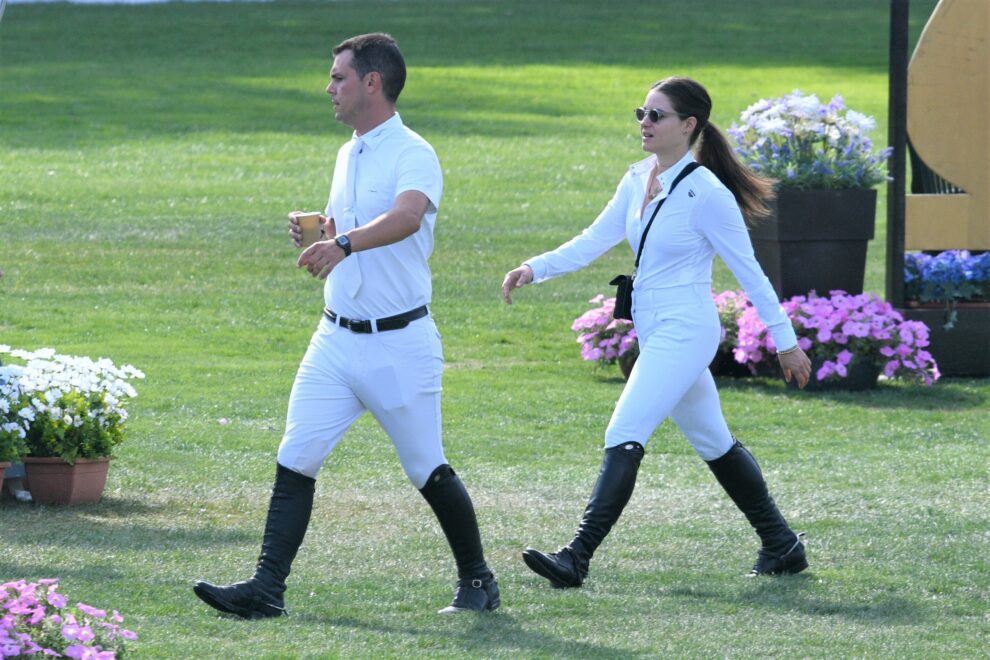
{"x":373,"y":81}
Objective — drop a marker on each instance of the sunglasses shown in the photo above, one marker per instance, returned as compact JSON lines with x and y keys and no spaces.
{"x":654,"y":114}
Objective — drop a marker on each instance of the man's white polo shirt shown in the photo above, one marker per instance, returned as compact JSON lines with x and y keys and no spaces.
{"x":388,"y":160}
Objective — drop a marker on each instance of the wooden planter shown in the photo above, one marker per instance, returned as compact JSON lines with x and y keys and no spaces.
{"x":3,"y":469}
{"x":965,"y":349}
{"x":53,"y":481}
{"x":816,"y":240}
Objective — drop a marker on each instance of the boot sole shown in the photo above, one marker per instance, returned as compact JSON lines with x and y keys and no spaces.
{"x":207,"y":596}
{"x":792,"y":569}
{"x":534,"y":560}
{"x":490,"y":607}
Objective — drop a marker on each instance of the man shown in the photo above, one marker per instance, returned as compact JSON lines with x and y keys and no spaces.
{"x":376,"y":347}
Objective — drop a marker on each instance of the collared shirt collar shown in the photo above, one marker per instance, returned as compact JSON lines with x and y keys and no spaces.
{"x":643,"y":168}
{"x":377,"y":135}
{"x":667,"y":176}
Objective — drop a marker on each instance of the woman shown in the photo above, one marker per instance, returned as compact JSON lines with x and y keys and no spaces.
{"x":676,"y":321}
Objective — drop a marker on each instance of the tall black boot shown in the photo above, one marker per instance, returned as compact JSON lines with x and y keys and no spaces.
{"x":477,"y":589}
{"x":568,"y":567}
{"x":739,"y":474}
{"x":288,"y":517}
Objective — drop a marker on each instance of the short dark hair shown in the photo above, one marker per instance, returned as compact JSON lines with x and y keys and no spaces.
{"x":377,"y":52}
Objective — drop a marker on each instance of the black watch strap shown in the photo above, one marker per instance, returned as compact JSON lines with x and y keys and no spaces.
{"x":344,"y":244}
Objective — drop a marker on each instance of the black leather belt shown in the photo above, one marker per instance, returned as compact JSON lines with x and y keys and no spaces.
{"x":396,"y":322}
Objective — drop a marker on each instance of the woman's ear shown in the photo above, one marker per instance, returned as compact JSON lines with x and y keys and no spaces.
{"x":689,"y":125}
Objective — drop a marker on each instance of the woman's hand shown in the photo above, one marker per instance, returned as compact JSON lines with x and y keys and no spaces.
{"x":795,"y":364}
{"x":514,"y":279}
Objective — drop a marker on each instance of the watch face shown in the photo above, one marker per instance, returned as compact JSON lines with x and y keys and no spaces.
{"x":345,"y":244}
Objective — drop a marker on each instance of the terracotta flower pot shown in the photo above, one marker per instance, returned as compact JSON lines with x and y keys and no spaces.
{"x":53,"y":481}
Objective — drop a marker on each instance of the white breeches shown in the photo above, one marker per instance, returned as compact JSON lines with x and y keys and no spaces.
{"x":678,"y":331}
{"x":395,"y":374}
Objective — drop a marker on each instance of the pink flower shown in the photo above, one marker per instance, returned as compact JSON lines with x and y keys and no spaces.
{"x":840,"y":329}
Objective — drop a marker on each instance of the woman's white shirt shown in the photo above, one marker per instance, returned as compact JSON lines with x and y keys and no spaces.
{"x":701,"y":219}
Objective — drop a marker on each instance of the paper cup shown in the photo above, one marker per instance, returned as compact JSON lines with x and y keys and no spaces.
{"x":309,"y":223}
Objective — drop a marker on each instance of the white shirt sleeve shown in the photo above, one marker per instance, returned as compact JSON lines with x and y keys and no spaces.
{"x":608,"y":229}
{"x":419,"y":169}
{"x":718,"y":219}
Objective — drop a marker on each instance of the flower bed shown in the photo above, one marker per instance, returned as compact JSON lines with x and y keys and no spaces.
{"x":947,"y":278}
{"x":603,"y":338}
{"x":39,"y":620}
{"x":835,"y":331}
{"x":840,"y":328}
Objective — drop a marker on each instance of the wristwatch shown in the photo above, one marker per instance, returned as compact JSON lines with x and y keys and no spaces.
{"x":344,"y":244}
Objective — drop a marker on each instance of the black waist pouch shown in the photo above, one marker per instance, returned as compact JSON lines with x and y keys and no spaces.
{"x":623,"y":296}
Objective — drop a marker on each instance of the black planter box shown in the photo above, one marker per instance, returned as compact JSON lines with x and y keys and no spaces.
{"x":816,"y":240}
{"x":965,"y":349}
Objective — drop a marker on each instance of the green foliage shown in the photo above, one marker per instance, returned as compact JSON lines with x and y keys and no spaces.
{"x":94,"y":437}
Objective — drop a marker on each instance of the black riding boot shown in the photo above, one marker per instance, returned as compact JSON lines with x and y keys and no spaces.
{"x":288,"y":518}
{"x":739,"y":474}
{"x":477,"y":589}
{"x":568,"y":567}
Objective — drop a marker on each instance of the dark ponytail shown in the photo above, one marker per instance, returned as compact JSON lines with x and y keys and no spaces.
{"x":690,"y":99}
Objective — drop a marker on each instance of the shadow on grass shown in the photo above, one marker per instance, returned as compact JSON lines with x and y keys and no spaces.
{"x":101,"y":573}
{"x":111,"y":524}
{"x":794,"y":594}
{"x":950,"y":394}
{"x":489,"y":631}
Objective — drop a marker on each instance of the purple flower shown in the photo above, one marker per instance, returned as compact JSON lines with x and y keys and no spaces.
{"x":840,"y":329}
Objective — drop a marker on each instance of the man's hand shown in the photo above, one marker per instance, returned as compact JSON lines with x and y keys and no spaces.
{"x":295,"y":231}
{"x":514,"y":279}
{"x":321,"y":258}
{"x":796,"y":364}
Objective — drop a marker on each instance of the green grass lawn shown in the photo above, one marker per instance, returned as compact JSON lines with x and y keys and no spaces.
{"x":148,"y":156}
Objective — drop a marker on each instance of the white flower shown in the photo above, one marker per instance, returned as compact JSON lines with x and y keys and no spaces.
{"x":772,"y":125}
{"x":27,"y":413}
{"x":862,"y":122}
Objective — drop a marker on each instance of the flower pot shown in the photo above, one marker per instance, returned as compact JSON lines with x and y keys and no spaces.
{"x":53,"y":481}
{"x":626,"y":363}
{"x":725,"y":365}
{"x":860,"y":376}
{"x":965,"y":349}
{"x":3,"y":469}
{"x":816,"y":240}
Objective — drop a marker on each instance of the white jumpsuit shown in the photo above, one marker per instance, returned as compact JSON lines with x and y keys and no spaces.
{"x":675,"y":317}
